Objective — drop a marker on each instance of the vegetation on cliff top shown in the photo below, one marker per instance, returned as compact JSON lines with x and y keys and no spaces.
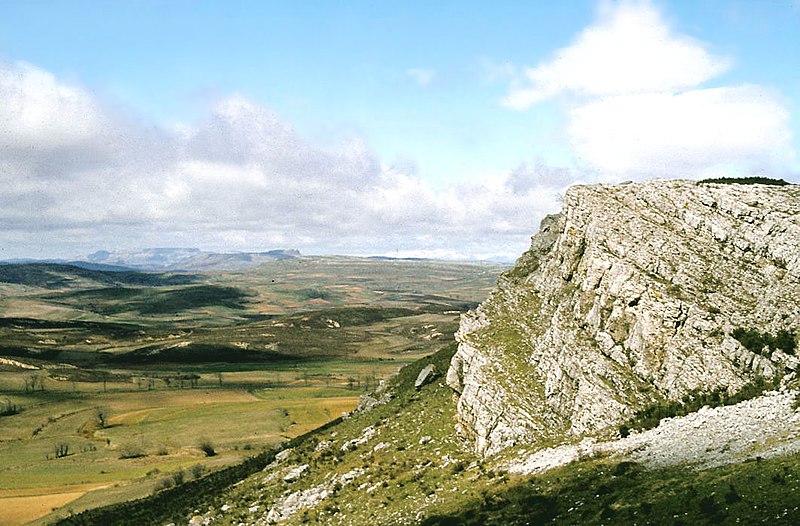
{"x":746,"y":180}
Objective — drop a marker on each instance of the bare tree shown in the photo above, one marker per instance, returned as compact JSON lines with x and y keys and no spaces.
{"x":61,"y":449}
{"x":101,"y":415}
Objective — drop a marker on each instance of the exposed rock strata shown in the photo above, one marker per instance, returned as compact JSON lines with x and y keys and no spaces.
{"x":628,"y":296}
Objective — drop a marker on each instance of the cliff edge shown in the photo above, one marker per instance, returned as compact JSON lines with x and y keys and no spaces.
{"x":632,"y":295}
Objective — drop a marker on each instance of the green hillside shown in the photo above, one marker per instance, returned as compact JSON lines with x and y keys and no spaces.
{"x":403,"y":463}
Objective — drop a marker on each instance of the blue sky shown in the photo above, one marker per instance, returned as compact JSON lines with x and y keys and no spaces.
{"x":406,"y":128}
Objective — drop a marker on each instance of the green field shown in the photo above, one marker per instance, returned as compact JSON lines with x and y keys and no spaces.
{"x":118,"y":380}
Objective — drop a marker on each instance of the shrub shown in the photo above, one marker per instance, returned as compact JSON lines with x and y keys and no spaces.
{"x":710,"y":508}
{"x":178,"y":477}
{"x":746,"y":180}
{"x":207,"y":447}
{"x":61,"y":450}
{"x":314,"y":294}
{"x":8,"y":409}
{"x":751,"y":339}
{"x":785,"y":341}
{"x":164,"y":484}
{"x":755,"y":341}
{"x":197,"y":470}
{"x":131,"y":451}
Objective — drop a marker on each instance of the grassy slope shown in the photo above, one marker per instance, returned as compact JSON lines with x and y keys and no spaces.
{"x":411,"y":479}
{"x":436,"y":482}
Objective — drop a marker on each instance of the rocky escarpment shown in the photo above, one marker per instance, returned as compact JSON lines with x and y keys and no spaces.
{"x":629,"y":296}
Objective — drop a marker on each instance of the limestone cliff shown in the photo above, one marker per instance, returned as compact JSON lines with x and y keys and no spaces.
{"x":629,"y":295}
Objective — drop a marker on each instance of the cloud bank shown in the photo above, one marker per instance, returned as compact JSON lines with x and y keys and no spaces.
{"x":78,"y":176}
{"x":636,"y":105}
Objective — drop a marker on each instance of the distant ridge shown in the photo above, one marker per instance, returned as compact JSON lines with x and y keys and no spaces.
{"x":58,"y":275}
{"x":389,"y":258}
{"x":80,"y":264}
{"x":166,"y":260}
{"x":188,"y":259}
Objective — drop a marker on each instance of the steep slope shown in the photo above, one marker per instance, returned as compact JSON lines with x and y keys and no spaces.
{"x":631,"y":295}
{"x":399,"y":461}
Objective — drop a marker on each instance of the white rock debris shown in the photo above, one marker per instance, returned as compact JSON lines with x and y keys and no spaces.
{"x":365,"y":437}
{"x":764,"y":427}
{"x":295,"y":473}
{"x":283,"y":508}
{"x":381,"y":445}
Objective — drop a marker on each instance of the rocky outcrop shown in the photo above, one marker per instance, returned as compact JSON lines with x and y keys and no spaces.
{"x":626,"y":297}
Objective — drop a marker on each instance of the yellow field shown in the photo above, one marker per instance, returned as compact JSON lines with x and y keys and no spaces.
{"x":18,"y":507}
{"x":149,"y":436}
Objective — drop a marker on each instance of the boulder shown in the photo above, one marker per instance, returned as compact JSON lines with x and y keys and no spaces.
{"x":427,"y":374}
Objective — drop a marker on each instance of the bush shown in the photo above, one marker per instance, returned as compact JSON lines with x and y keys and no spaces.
{"x":8,"y":409}
{"x":785,"y":341}
{"x":207,"y":447}
{"x":131,"y":451}
{"x":746,"y":180}
{"x":61,"y":450}
{"x":755,"y":341}
{"x":178,"y":477}
{"x":197,"y":470}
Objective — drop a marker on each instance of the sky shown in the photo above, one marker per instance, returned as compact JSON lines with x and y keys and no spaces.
{"x":442,"y":129}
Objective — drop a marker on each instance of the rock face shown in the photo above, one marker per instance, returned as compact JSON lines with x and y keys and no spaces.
{"x":626,"y":297}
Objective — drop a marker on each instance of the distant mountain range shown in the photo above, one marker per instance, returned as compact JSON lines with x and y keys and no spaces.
{"x":168,"y":259}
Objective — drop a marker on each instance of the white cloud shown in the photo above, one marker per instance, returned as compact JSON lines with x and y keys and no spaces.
{"x":421,"y":76}
{"x":38,"y":111}
{"x":632,"y":91}
{"x":630,"y":49}
{"x":239,"y":178}
{"x":664,"y":134}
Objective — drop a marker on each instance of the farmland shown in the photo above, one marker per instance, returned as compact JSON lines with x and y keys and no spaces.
{"x":117,"y":384}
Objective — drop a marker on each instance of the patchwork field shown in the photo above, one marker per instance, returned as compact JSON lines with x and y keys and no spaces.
{"x":113,"y":385}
